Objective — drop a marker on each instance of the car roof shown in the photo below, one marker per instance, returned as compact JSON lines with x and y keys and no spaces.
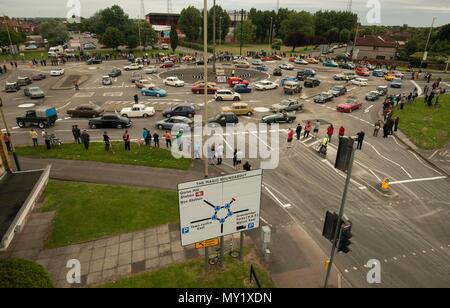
{"x":240,"y":104}
{"x":180,"y":118}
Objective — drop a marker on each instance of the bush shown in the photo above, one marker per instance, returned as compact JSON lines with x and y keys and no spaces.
{"x":18,"y":273}
{"x":195,"y":46}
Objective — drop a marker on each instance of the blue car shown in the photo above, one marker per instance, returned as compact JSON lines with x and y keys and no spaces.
{"x":242,"y":88}
{"x":396,"y":83}
{"x":330,"y":63}
{"x":154,"y":91}
{"x":378,"y":73}
{"x":288,"y":79}
{"x":262,"y":68}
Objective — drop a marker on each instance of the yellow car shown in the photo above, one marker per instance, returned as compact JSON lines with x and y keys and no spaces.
{"x":312,"y":61}
{"x":239,"y":109}
{"x":389,"y":77}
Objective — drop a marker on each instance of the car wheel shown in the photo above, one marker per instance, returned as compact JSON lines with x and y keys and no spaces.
{"x":119,"y":126}
{"x":236,"y":99}
{"x":158,"y":95}
{"x":41,"y":125}
{"x":145,"y":115}
{"x":21,"y":124}
{"x":219,"y":99}
{"x":93,"y":126}
{"x":190,"y":115}
{"x":249,"y":113}
{"x":160,"y":127}
{"x":125,"y":115}
{"x":197,"y":92}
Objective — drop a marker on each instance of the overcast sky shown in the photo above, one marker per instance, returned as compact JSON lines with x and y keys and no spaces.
{"x":393,"y":12}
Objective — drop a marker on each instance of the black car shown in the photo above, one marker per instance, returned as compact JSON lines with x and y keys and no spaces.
{"x":110,"y":121}
{"x":23,"y":81}
{"x":324,"y":97}
{"x":347,"y":65}
{"x":183,"y":111}
{"x":338,"y":90}
{"x":311,"y":83}
{"x":223,"y":119}
{"x":279,"y":118}
{"x":115,"y":72}
{"x":301,"y":75}
{"x":94,"y":61}
{"x":372,"y":96}
{"x":277,"y":72}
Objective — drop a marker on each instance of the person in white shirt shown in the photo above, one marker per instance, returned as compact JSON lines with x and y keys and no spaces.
{"x":239,"y":157}
{"x":219,"y":154}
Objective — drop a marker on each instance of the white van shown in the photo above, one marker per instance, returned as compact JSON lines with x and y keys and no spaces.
{"x":55,"y":51}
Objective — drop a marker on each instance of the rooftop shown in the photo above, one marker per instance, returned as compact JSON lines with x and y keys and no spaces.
{"x":376,"y":41}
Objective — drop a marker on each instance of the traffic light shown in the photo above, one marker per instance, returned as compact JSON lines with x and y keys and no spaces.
{"x":329,"y":226}
{"x":346,"y":234}
{"x":344,"y":153}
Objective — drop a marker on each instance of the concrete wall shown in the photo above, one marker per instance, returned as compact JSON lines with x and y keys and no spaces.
{"x":375,"y":52}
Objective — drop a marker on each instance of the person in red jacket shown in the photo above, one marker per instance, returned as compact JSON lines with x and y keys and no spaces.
{"x":330,"y":131}
{"x":290,"y":137}
{"x":341,"y":132}
{"x":126,"y":140}
{"x":307,"y":130}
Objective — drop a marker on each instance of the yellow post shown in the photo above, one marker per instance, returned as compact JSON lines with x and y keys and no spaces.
{"x":385,"y":184}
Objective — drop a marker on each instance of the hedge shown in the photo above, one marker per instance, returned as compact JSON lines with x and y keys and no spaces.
{"x":195,"y":46}
{"x":18,"y":273}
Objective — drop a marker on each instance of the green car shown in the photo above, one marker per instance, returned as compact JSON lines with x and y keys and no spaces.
{"x":330,"y":63}
{"x":279,"y":118}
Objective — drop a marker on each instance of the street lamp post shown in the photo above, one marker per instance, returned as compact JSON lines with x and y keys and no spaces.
{"x":9,"y":35}
{"x":13,"y":151}
{"x":205,"y":77}
{"x":424,"y":58}
{"x":242,"y":30}
{"x":214,"y":36}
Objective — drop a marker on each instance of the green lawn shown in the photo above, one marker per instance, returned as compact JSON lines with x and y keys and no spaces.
{"x":28,"y":55}
{"x":89,"y":211}
{"x":190,"y":275}
{"x":143,"y":156}
{"x":427,"y":127}
{"x":235,"y":48}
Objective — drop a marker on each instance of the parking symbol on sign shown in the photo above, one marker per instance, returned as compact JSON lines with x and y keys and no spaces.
{"x":250,"y":226}
{"x":185,"y":230}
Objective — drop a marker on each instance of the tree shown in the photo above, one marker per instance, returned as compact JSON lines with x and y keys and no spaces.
{"x":444,"y":33}
{"x":248,"y":31}
{"x":16,"y":37}
{"x":276,"y":44}
{"x":112,"y":38}
{"x":295,"y":39}
{"x":332,"y":35}
{"x":173,"y":38}
{"x":55,"y":32}
{"x":344,"y":36}
{"x":149,"y":37}
{"x":190,"y":22}
{"x":297,"y":22}
{"x":222,"y":29}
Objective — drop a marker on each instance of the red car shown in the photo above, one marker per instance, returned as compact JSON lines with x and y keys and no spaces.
{"x":232,"y":81}
{"x":351,"y":104}
{"x":38,"y":76}
{"x":267,"y":59}
{"x":167,"y":64}
{"x":200,"y":89}
{"x":362,"y":71}
{"x":277,"y":57}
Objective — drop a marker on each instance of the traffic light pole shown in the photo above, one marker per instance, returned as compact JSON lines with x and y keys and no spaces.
{"x":341,"y":213}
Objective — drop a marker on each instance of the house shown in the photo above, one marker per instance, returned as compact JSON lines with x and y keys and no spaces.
{"x":18,"y":25}
{"x":162,"y":23}
{"x":373,"y":47}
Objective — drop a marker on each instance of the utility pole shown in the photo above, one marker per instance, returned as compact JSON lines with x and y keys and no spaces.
{"x":270,"y":33}
{"x":13,"y":151}
{"x":220,"y":30}
{"x":235,"y":24}
{"x":205,"y":77}
{"x":425,"y":53}
{"x":214,"y":36}
{"x":9,"y":35}
{"x":354,"y":41}
{"x":341,"y":213}
{"x":242,"y":32}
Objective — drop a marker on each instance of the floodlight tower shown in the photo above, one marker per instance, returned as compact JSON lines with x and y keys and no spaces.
{"x":169,"y":6}
{"x":349,"y":5}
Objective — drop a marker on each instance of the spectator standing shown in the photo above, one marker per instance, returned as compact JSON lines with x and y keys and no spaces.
{"x":126,"y":140}
{"x":107,"y":141}
{"x":290,"y":138}
{"x":34,"y":137}
{"x":219,"y":154}
{"x":330,"y":131}
{"x":46,"y":137}
{"x":307,"y":130}
{"x":377,"y":127}
{"x":7,"y":140}
{"x":316,"y":128}
{"x":85,"y":139}
{"x":168,"y":137}
{"x":298,"y":131}
{"x":341,"y":132}
{"x":156,"y":140}
{"x":360,"y":139}
{"x":396,"y":122}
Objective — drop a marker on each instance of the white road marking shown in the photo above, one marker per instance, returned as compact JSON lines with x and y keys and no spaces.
{"x":384,"y":157}
{"x":419,"y":89}
{"x":418,"y":180}
{"x":83,"y":95}
{"x":262,"y":141}
{"x":432,"y":155}
{"x":423,"y":163}
{"x":265,"y":221}
{"x":114,"y":94}
{"x":368,"y":109}
{"x":360,"y":186}
{"x":274,"y":197}
{"x":64,"y":106}
{"x":395,"y":139}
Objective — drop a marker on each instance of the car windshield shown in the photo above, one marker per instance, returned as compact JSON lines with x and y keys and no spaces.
{"x":34,"y":90}
{"x":336,"y":89}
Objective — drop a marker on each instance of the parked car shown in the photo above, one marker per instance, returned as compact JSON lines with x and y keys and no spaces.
{"x":151,"y":69}
{"x":338,"y":90}
{"x":262,"y":68}
{"x":378,"y":73}
{"x":153,"y":91}
{"x":107,"y":81}
{"x":372,"y":96}
{"x":311,"y":82}
{"x":278,"y":118}
{"x":277,"y":72}
{"x":351,"y":104}
{"x":173,"y":82}
{"x":94,"y":61}
{"x":301,"y":62}
{"x":223,"y":119}
{"x":287,"y":66}
{"x":257,"y":62}
{"x":41,"y":117}
{"x":398,"y":74}
{"x":265,"y":59}
{"x":289,"y":78}
{"x":232,"y":81}
{"x":31,"y":47}
{"x":347,"y":65}
{"x":339,"y":77}
{"x":115,"y":72}
{"x":34,"y":92}
{"x":292,"y":87}
{"x":135,"y":77}
{"x":144,"y":83}
{"x":167,"y":64}
{"x":137,"y":111}
{"x":303,"y":74}
{"x":133,"y":67}
{"x":242,"y":88}
{"x":179,"y":110}
{"x":330,"y":63}
{"x":85,"y":111}
{"x":238,"y":109}
{"x":57,"y":72}
{"x":38,"y":76}
{"x":110,"y":121}
{"x":24,"y":81}
{"x":89,"y":46}
{"x":312,"y":61}
{"x":323,"y":98}
{"x":362,"y":71}
{"x":361,"y":82}
{"x":345,"y":76}
{"x":287,"y":105}
{"x":200,"y":89}
{"x":276,"y":57}
{"x":382,"y":90}
{"x":396,"y":83}
{"x":11,"y":87}
{"x":227,"y":95}
{"x":265,"y":85}
{"x":242,"y":64}
{"x":176,"y":123}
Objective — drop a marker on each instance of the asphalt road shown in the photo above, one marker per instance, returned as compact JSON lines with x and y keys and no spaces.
{"x":406,"y":230}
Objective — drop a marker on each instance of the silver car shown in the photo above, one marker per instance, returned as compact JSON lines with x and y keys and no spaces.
{"x":34,"y":92}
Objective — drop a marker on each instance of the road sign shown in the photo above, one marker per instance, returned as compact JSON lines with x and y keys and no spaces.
{"x":219,"y":206}
{"x":207,"y":243}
